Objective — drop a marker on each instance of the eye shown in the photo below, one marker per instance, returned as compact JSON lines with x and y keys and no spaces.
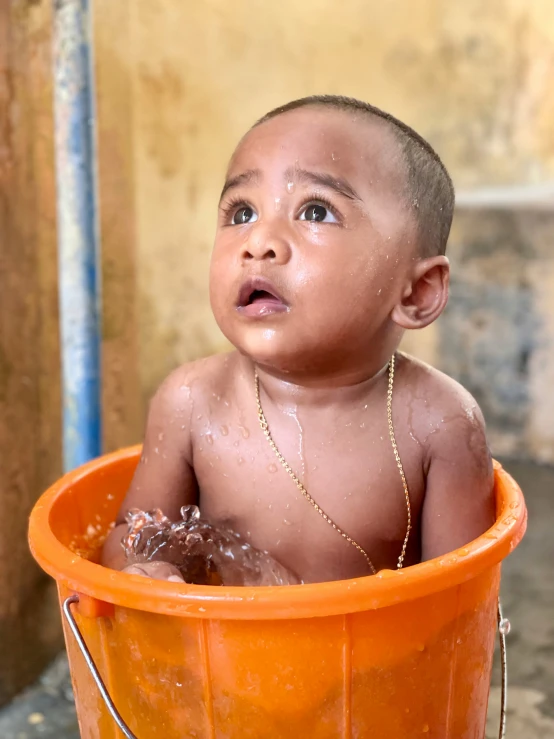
{"x":317,"y":213}
{"x":244,"y":215}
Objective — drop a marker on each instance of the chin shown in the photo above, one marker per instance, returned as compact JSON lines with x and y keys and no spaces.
{"x":267,"y":345}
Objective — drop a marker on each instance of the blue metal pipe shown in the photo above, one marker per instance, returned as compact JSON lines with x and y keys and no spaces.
{"x":78,"y":240}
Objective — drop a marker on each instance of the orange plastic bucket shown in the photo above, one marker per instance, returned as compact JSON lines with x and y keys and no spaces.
{"x":394,"y":656}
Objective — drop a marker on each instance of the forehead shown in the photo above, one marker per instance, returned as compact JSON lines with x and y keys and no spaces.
{"x":358,"y":146}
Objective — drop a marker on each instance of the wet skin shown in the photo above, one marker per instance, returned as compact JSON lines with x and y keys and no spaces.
{"x":316,"y":273}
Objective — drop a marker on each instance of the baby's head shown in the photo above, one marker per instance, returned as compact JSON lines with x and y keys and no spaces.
{"x":331,"y":236}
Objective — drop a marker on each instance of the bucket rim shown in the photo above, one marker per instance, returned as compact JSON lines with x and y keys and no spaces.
{"x":386,"y":588}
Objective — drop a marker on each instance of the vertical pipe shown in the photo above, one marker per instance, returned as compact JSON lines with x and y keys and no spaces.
{"x":78,"y":242}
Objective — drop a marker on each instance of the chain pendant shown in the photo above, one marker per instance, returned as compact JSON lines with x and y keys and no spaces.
{"x":265,"y":429}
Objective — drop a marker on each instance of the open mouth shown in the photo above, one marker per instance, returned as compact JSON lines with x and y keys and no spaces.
{"x":258,"y":297}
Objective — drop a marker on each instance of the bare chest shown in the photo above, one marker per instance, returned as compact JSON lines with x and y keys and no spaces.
{"x":346,"y":464}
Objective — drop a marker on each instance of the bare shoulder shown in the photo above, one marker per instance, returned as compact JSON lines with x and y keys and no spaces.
{"x":191,"y":383}
{"x":445,"y":417}
{"x":459,"y":491}
{"x":174,"y":405}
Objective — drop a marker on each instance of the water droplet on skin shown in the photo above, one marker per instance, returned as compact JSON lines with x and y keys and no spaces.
{"x":272,"y":468}
{"x":156,"y":450}
{"x":413,"y":437}
{"x":333,"y":157}
{"x":224,"y":431}
{"x":270,"y":506}
{"x":240,"y":460}
{"x":379,"y":291}
{"x":290,"y":186}
{"x":287,"y":523}
{"x":287,"y":506}
{"x":504,"y":627}
{"x":425,"y":728}
{"x":199,"y":416}
{"x":362,"y":425}
{"x":160,"y":436}
{"x":277,"y":204}
{"x":245,"y":432}
{"x":209,"y":439}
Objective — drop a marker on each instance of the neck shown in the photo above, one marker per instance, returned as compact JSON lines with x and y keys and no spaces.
{"x":319,"y":390}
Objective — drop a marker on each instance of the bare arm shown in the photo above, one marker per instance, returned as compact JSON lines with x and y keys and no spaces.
{"x":164,"y":477}
{"x":459,"y":498}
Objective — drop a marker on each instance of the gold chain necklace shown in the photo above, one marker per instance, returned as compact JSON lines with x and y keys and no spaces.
{"x":265,"y":428}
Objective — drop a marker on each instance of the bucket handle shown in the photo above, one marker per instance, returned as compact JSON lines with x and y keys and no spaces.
{"x":114,"y":713}
{"x":503,"y":630}
{"x":68,"y":602}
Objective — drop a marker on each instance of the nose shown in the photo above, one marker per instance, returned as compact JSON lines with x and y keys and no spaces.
{"x":266,"y":244}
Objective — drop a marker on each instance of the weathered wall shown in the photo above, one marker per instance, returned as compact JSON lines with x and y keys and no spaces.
{"x":30,"y":448}
{"x":474,"y":77}
{"x":30,"y":411}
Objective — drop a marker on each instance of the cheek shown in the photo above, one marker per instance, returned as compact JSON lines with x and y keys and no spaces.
{"x":219,"y":283}
{"x":340,"y":275}
{"x":347,"y":294}
{"x":221,"y":265}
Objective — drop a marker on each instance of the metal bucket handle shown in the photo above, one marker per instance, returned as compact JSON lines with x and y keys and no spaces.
{"x":114,"y":713}
{"x":66,"y":608}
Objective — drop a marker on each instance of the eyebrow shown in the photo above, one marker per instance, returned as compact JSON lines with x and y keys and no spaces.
{"x":250,"y":175}
{"x":338,"y":184}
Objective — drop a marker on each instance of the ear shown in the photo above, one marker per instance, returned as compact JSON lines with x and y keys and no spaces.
{"x":425,"y":296}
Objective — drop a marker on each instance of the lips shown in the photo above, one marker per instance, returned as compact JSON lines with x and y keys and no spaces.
{"x":258,"y":297}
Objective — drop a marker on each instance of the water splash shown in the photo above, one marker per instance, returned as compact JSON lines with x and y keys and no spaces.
{"x":293,"y":413}
{"x":204,"y":554}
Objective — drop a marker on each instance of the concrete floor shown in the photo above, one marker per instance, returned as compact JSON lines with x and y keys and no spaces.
{"x":46,"y":710}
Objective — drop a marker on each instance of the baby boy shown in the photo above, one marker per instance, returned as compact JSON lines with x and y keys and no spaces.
{"x":317,"y":440}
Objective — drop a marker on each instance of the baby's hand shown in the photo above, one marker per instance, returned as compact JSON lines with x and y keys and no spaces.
{"x":156,"y":570}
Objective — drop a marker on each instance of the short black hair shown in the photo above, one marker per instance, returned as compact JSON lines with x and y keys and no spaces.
{"x":430,"y":192}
